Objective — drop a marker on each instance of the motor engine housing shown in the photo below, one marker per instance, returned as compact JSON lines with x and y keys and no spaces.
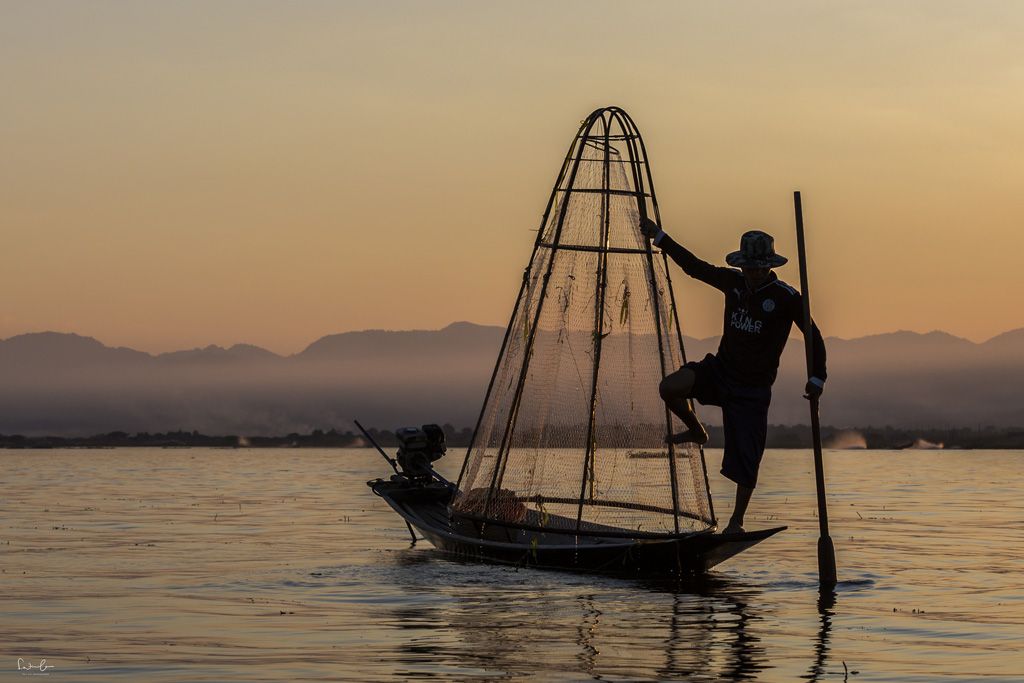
{"x":418,"y":448}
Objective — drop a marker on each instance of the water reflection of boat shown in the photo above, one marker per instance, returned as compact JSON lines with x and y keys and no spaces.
{"x":702,"y":630}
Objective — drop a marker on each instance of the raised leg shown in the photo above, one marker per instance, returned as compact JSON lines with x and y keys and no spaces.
{"x":675,"y":389}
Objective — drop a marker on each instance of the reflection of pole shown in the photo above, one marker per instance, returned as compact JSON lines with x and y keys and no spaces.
{"x":586,"y":632}
{"x":826,"y":601}
{"x":826,"y":551}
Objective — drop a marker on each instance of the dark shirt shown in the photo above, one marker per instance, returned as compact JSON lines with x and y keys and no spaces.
{"x":757,"y":323}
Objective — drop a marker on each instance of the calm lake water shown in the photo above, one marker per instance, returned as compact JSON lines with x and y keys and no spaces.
{"x":280,"y":565}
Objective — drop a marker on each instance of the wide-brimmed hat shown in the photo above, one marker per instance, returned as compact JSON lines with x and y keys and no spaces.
{"x":757,"y":250}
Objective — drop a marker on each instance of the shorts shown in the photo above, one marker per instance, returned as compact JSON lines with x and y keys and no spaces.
{"x":744,"y":417}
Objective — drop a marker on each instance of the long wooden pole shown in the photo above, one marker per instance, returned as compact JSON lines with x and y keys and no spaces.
{"x":826,"y":551}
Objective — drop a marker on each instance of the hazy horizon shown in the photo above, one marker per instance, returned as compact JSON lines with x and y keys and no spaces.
{"x":795,"y":335}
{"x":61,"y":385}
{"x":183,"y":174}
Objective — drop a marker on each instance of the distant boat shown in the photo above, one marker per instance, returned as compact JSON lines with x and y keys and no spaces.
{"x":921,"y":445}
{"x":647,"y":454}
{"x":547,"y":480}
{"x":660,"y":455}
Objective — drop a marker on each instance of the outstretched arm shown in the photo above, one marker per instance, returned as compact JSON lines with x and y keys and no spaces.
{"x":720,"y":278}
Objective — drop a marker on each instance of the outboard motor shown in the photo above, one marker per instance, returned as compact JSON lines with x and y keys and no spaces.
{"x":419,"y":448}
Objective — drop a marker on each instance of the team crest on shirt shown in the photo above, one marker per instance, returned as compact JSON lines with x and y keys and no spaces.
{"x":768,"y":305}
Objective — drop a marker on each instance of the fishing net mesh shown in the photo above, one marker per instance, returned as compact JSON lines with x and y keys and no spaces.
{"x":556,"y":448}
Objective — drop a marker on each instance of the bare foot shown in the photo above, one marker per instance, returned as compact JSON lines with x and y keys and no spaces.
{"x":733,"y":528}
{"x":689,"y":436}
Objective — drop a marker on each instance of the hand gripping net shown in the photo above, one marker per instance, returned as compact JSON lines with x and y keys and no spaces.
{"x":572,"y":431}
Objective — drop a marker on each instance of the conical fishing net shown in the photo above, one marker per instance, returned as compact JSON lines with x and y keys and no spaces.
{"x":571,"y":436}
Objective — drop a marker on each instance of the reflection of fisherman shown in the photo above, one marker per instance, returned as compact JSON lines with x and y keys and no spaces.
{"x":760,"y":310}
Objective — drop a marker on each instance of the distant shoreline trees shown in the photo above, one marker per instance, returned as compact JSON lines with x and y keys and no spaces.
{"x":779,"y":436}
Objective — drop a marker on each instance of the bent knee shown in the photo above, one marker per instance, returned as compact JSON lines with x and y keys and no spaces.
{"x":677,"y":385}
{"x":665,"y":389}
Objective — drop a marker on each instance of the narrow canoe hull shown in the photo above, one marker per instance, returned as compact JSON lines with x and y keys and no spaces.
{"x":425,"y":509}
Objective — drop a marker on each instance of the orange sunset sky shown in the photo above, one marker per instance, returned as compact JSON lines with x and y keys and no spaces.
{"x":184,"y":173}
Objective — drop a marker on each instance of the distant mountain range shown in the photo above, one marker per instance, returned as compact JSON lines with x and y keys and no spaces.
{"x":66,"y":384}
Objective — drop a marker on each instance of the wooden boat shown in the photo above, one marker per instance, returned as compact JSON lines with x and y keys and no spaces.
{"x":425,"y":507}
{"x":552,"y":477}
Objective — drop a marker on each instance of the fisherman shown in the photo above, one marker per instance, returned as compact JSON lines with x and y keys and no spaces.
{"x":760,"y":310}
